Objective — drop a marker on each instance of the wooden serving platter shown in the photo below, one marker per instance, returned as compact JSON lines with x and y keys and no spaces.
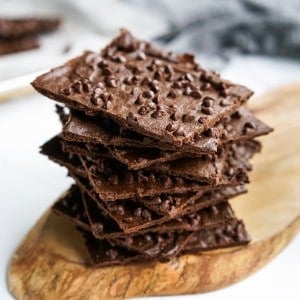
{"x":51,"y":261}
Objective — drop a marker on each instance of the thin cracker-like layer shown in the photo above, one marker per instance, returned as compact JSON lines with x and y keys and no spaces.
{"x":171,"y":98}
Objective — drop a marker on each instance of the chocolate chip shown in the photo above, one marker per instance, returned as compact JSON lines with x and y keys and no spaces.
{"x":171,"y":94}
{"x":196,"y":94}
{"x":98,"y":227}
{"x":146,"y":214}
{"x":97,"y":101}
{"x":137,"y":212}
{"x":168,"y":69}
{"x":189,"y":77}
{"x":165,"y":180}
{"x":119,"y":58}
{"x":129,"y":177}
{"x":148,"y":94}
{"x":175,"y":116}
{"x":120,"y":210}
{"x":86,"y":86}
{"x":157,"y":75}
{"x":201,"y":120}
{"x":165,"y":205}
{"x":249,"y":125}
{"x":156,"y":200}
{"x":179,"y":132}
{"x":112,"y":253}
{"x":141,"y":177}
{"x":111,"y":82}
{"x":208,"y":132}
{"x":106,"y":72}
{"x":179,"y":181}
{"x":145,"y":81}
{"x":140,"y":55}
{"x":214,"y":210}
{"x":194,"y":222}
{"x":176,"y":85}
{"x":114,"y":179}
{"x":140,"y":100}
{"x":207,"y":102}
{"x":136,"y":70}
{"x":66,"y":91}
{"x":128,"y":240}
{"x":102,"y":64}
{"x":132,"y":117}
{"x":207,"y":110}
{"x":170,"y":127}
{"x":158,"y":114}
{"x":143,"y":110}
{"x":154,"y":86}
{"x":76,"y":87}
{"x":205,"y":86}
{"x":188,"y":118}
{"x":187,"y":91}
{"x":225,"y":102}
{"x":236,"y":115}
{"x":148,"y":238}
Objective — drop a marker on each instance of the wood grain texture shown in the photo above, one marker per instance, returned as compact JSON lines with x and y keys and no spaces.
{"x":51,"y":261}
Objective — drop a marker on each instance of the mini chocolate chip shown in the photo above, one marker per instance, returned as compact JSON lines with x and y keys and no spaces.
{"x":127,"y":80}
{"x":202,"y":120}
{"x":114,"y":179}
{"x":179,"y":132}
{"x":120,"y":210}
{"x":207,"y":110}
{"x":97,"y":101}
{"x":156,"y":200}
{"x":170,"y":127}
{"x":102,"y":64}
{"x":111,"y":253}
{"x":157,"y":75}
{"x":148,"y":94}
{"x":171,"y":94}
{"x":128,"y":240}
{"x":165,"y":205}
{"x":175,"y":116}
{"x":249,"y":125}
{"x":145,"y":81}
{"x":135,"y":79}
{"x":137,"y":212}
{"x":168,"y":69}
{"x":156,"y":62}
{"x":165,"y":180}
{"x":128,"y":177}
{"x":208,"y":132}
{"x":151,"y":105}
{"x":214,"y":210}
{"x":189,"y":77}
{"x":141,"y":177}
{"x":143,"y":110}
{"x":119,"y":58}
{"x":76,"y":86}
{"x":146,"y":215}
{"x":154,"y":86}
{"x":196,"y":94}
{"x":140,"y":100}
{"x":86,"y":86}
{"x":236,"y":115}
{"x":194,"y":222}
{"x":188,"y":118}
{"x":205,"y":86}
{"x":132,"y":117}
{"x":160,"y":239}
{"x":98,"y":227}
{"x":106,"y":72}
{"x":148,"y":238}
{"x":158,"y":114}
{"x":111,"y":82}
{"x":207,"y":102}
{"x":66,"y":91}
{"x":136,"y":70}
{"x":225,"y":102}
{"x":140,"y":55}
{"x":187,"y":91}
{"x":230,"y":172}
{"x":176,"y":85}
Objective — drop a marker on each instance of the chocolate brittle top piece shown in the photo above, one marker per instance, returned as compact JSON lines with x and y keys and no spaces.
{"x":157,"y":94}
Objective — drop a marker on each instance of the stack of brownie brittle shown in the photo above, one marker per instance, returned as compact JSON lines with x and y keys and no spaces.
{"x":22,"y":34}
{"x":156,"y":145}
